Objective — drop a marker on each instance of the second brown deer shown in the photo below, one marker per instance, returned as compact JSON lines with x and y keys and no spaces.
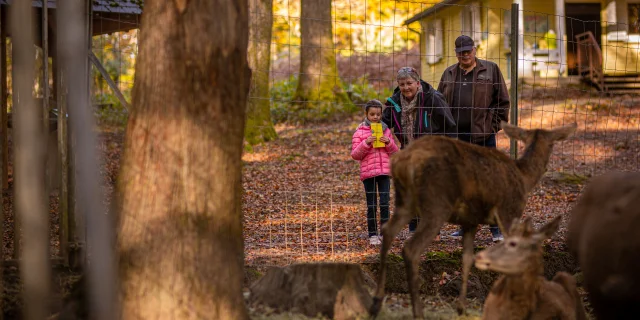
{"x":442,"y":180}
{"x":602,"y":236}
{"x":522,"y":292}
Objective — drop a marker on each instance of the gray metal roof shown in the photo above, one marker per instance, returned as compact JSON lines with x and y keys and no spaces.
{"x":437,"y":7}
{"x":111,"y":6}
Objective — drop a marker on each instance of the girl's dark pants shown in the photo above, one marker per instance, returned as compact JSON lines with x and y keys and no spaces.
{"x":373,"y":187}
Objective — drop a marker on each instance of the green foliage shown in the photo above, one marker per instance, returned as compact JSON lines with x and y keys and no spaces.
{"x":117,"y":52}
{"x":284,"y":109}
{"x":362,"y":91}
{"x":117,"y":3}
{"x":372,"y":25}
{"x":109,"y":111}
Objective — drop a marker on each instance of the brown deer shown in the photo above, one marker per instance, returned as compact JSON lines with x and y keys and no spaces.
{"x":522,"y":292}
{"x":603,"y":237}
{"x":440,"y":179}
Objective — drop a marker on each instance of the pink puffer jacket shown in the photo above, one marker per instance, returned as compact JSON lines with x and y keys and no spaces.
{"x":373,"y":161}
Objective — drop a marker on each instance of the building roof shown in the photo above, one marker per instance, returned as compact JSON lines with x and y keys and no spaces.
{"x":430,"y":11}
{"x":109,"y":6}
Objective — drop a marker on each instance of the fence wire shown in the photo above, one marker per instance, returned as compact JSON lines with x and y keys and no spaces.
{"x":307,"y":203}
{"x":565,"y":76}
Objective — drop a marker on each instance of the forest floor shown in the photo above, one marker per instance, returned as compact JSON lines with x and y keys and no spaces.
{"x":303,"y":200}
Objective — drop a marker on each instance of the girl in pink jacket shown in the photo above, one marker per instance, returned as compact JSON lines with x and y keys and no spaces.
{"x":375,"y":168}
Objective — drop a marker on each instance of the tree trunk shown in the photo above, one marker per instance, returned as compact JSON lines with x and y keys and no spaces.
{"x":259,"y":127}
{"x":335,"y":290}
{"x":180,"y":225}
{"x":319,"y":81}
{"x":31,"y":214}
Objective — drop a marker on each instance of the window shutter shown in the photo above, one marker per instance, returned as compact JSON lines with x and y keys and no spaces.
{"x":434,"y":41}
{"x":507,"y":29}
{"x":476,"y":25}
{"x":439,"y":38}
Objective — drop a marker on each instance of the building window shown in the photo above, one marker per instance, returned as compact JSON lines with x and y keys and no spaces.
{"x":634,"y":18}
{"x":434,"y":41}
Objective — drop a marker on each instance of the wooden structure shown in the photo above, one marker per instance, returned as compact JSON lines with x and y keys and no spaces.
{"x":107,"y":16}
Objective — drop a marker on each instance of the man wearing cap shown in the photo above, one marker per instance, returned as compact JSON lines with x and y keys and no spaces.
{"x":479,"y":100}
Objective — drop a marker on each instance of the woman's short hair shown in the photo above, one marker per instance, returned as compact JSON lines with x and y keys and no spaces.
{"x":372,"y":104}
{"x":408,"y":72}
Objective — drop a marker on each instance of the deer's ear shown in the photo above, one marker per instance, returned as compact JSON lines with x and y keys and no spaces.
{"x":515,"y":226}
{"x":549,"y":229}
{"x":513,"y":131}
{"x":527,"y":226}
{"x":563,"y":133}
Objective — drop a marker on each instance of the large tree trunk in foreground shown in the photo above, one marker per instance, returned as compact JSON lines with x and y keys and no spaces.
{"x":259,"y":126}
{"x":335,"y":290}
{"x":180,"y":229}
{"x":319,"y":81}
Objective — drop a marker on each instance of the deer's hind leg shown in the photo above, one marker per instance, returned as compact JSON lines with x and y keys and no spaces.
{"x":467,"y":260}
{"x":432,"y":219}
{"x":389,"y":231}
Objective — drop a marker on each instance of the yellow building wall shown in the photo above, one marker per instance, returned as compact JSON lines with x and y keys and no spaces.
{"x":451,"y":25}
{"x":620,"y":58}
{"x":493,"y":23}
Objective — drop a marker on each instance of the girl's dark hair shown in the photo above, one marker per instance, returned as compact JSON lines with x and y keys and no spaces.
{"x":372,"y":104}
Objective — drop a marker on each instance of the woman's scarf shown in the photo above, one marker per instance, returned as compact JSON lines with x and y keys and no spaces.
{"x":409,"y":114}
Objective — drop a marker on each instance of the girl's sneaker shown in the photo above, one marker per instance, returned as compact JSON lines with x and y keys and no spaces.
{"x":374,"y":241}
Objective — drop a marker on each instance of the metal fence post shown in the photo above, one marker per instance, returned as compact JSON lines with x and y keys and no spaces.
{"x":513,"y":92}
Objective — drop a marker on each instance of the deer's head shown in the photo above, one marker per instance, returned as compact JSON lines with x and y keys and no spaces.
{"x":539,"y":135}
{"x":520,"y":251}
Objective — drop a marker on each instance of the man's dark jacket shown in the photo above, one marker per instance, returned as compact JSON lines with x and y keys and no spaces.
{"x":433,"y":116}
{"x":490,"y":97}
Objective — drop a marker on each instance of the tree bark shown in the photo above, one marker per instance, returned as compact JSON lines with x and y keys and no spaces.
{"x":335,"y":290}
{"x":31,"y":213}
{"x":259,"y":127}
{"x":318,"y":81}
{"x":180,"y":225}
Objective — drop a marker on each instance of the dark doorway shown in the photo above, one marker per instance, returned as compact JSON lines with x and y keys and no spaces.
{"x":581,"y":17}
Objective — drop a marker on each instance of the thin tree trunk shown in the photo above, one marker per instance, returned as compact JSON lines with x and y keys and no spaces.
{"x":30,"y":174}
{"x":4,"y":142}
{"x":180,"y":225}
{"x":259,"y":127}
{"x":318,"y":80}
{"x":63,"y":147}
{"x":74,"y":57}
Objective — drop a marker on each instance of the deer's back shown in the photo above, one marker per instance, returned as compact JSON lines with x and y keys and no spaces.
{"x":603,"y":236}
{"x":459,"y":169}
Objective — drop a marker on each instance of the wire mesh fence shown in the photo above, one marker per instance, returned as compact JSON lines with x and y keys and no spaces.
{"x":303,"y":199}
{"x":572,"y":67}
{"x":112,"y":70}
